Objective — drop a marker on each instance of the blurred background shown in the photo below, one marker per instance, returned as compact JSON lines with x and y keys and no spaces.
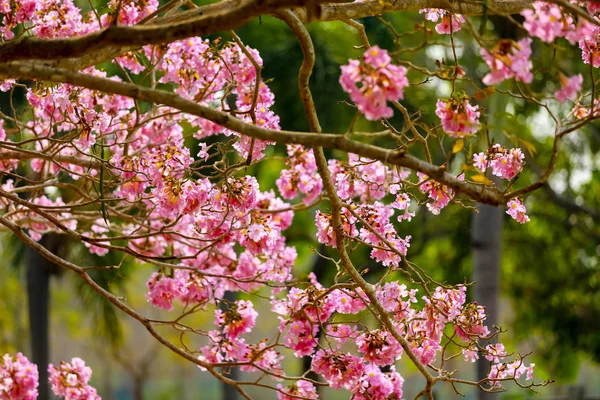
{"x":540,"y":281}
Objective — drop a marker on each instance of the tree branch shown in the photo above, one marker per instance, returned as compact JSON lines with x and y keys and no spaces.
{"x":104,"y":44}
{"x":344,"y":11}
{"x":29,"y":70}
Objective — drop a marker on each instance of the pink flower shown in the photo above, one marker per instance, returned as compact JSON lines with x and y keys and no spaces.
{"x":590,"y":47}
{"x":504,"y":163}
{"x":338,"y":369}
{"x":470,"y":354}
{"x":341,"y":332}
{"x":570,"y":87}
{"x":375,"y":57}
{"x":427,"y":351}
{"x":495,"y":352}
{"x":509,"y":60}
{"x":459,"y":118}
{"x":301,"y":337}
{"x":238,"y":319}
{"x":480,"y":161}
{"x":373,"y":83}
{"x":439,"y":195}
{"x":70,"y":380}
{"x":545,"y":21}
{"x":379,"y":347}
{"x":517,"y":211}
{"x":163,"y":291}
{"x":450,"y":23}
{"x":18,"y":378}
{"x":301,"y":389}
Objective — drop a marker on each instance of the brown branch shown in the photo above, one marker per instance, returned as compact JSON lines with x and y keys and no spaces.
{"x":105,"y":43}
{"x":478,"y":192}
{"x":345,"y":11}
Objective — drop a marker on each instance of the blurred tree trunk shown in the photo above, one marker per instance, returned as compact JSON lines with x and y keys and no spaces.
{"x":486,"y":242}
{"x":228,"y":391}
{"x":38,"y":294}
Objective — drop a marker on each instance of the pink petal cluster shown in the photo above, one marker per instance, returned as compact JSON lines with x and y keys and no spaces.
{"x":18,"y":378}
{"x":238,"y":319}
{"x":379,"y":347}
{"x":508,"y":59}
{"x":338,"y":369}
{"x":325,"y":232}
{"x":378,"y":215}
{"x":450,"y":23}
{"x":517,"y":211}
{"x":360,"y":177}
{"x":549,"y":21}
{"x":71,"y":380}
{"x":570,"y":86}
{"x":302,"y":175}
{"x":509,"y":370}
{"x":590,"y":47}
{"x":377,"y":385}
{"x":544,"y":21}
{"x":301,"y":389}
{"x":505,"y":163}
{"x":459,"y":118}
{"x":373,"y":82}
{"x":439,"y":195}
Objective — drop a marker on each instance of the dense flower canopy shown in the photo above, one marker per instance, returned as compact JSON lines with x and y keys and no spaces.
{"x":153,"y":161}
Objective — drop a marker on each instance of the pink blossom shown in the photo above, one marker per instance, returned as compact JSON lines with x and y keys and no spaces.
{"x":162,"y":291}
{"x":338,"y":369}
{"x":301,"y":337}
{"x":439,"y":195}
{"x":459,"y":117}
{"x":509,"y":59}
{"x":341,"y":332}
{"x":505,"y":163}
{"x":379,"y":347}
{"x":450,"y":23}
{"x":426,"y":352}
{"x":590,"y":47}
{"x":570,"y":87}
{"x":545,"y":21}
{"x":70,"y":380}
{"x":495,"y":352}
{"x":373,"y":83}
{"x":517,"y":211}
{"x":301,"y":389}
{"x":238,"y":319}
{"x":18,"y":378}
{"x":470,"y":354}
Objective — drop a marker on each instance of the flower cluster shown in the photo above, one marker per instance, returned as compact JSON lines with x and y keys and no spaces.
{"x":544,"y":21}
{"x":508,"y":59}
{"x":549,"y":21}
{"x":71,"y":380}
{"x":450,"y":23}
{"x":459,"y":118}
{"x":301,"y":176}
{"x":517,"y":211}
{"x":18,"y":378}
{"x":373,"y":82}
{"x":505,"y":163}
{"x":301,"y":389}
{"x":570,"y":86}
{"x":439,"y":194}
{"x":238,"y":319}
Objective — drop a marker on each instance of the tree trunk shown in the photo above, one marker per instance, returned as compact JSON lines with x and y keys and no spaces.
{"x":38,"y":294}
{"x":486,"y":242}
{"x":229,"y":392}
